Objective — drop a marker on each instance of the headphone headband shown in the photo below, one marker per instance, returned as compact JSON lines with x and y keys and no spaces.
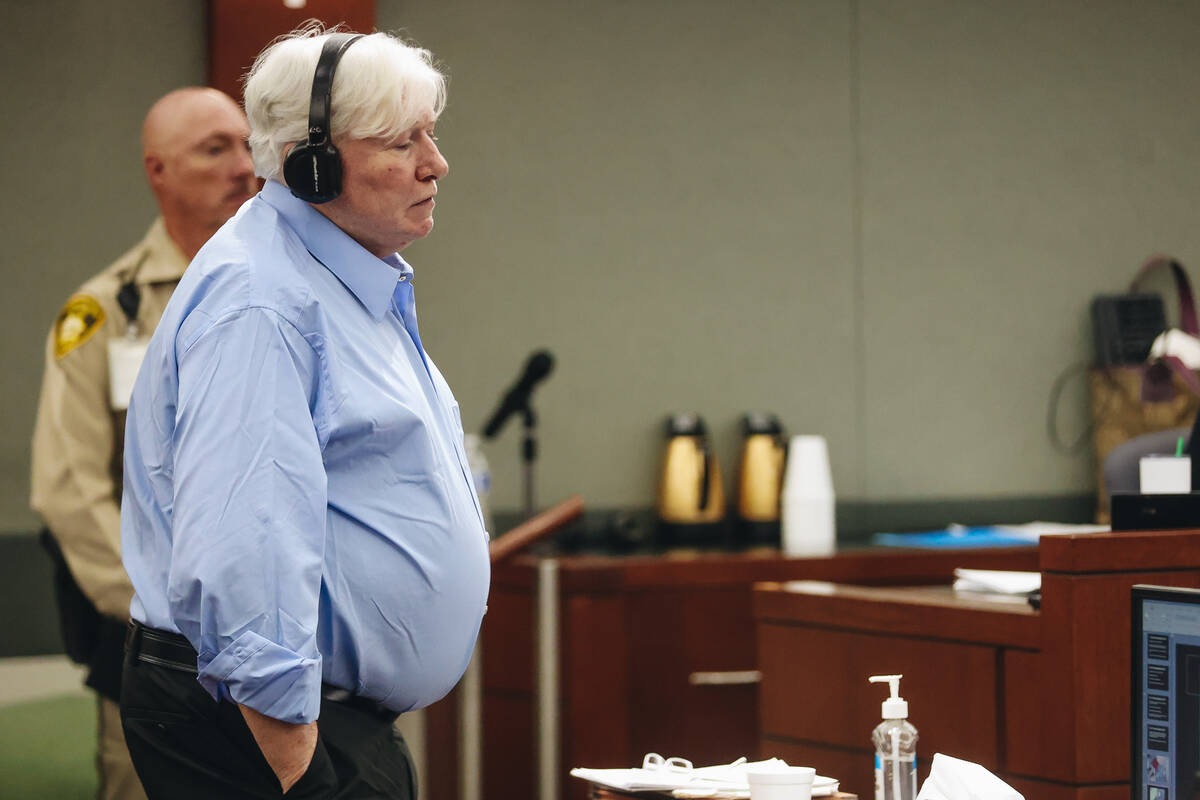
{"x":322,"y":86}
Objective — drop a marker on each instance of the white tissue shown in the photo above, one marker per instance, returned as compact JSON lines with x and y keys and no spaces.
{"x":954,"y":779}
{"x":1177,"y":343}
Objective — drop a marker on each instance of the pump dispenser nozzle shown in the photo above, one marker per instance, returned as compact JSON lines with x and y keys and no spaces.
{"x":895,"y":707}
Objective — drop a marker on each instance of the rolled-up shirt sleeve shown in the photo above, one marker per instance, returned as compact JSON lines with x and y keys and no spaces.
{"x":249,"y":511}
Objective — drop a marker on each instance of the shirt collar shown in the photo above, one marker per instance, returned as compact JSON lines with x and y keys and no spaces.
{"x":403,"y":270}
{"x":372,"y":280}
{"x":163,"y":260}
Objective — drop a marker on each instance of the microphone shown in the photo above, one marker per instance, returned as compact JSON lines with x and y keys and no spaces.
{"x":539,"y":365}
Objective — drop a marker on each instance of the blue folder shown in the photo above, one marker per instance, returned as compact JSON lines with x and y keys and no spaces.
{"x":957,"y":537}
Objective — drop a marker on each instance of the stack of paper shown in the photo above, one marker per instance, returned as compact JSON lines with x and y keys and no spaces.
{"x":725,"y":781}
{"x":996,"y":581}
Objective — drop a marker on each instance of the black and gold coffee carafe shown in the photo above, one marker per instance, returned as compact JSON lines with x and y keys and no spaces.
{"x":691,"y":499}
{"x":760,"y":481}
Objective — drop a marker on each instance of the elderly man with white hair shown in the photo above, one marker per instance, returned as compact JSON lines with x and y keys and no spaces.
{"x":306,"y":549}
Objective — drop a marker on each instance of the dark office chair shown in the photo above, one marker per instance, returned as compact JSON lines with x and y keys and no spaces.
{"x":1121,"y":471}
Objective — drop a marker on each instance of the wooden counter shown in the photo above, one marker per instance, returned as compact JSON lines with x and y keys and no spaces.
{"x":1039,"y":697}
{"x":651,"y":653}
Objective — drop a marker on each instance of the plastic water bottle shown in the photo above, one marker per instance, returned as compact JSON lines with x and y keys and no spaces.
{"x":481,"y":476}
{"x":807,"y":506}
{"x":895,"y":741}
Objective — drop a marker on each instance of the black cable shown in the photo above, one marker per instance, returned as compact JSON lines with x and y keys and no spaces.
{"x":1052,"y":431}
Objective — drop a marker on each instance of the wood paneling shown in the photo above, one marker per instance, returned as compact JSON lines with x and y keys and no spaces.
{"x":509,"y":703}
{"x":239,"y":29}
{"x":931,"y":612}
{"x":676,"y":633}
{"x":1033,"y":789}
{"x":878,"y":567}
{"x":441,"y":778}
{"x":1098,"y":552}
{"x":510,"y":747}
{"x":815,"y":689}
{"x":507,"y":638}
{"x":596,"y":667}
{"x":1024,"y":722}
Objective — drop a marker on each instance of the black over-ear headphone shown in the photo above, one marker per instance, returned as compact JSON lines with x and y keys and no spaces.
{"x":313,"y":169}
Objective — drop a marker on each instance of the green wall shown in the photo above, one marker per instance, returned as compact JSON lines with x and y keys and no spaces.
{"x":79,"y":77}
{"x":882,"y":221}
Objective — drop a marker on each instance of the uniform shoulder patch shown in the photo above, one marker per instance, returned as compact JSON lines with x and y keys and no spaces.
{"x":78,"y":320}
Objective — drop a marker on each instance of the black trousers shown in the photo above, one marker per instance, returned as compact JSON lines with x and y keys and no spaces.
{"x":186,"y":746}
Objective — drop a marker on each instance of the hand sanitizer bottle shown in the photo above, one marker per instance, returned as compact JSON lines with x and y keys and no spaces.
{"x":895,"y":741}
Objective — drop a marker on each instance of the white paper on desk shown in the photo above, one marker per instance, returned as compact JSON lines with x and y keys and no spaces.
{"x":996,"y":581}
{"x":954,"y":779}
{"x":640,"y":779}
{"x":822,"y":787}
{"x":1035,"y":530}
{"x":630,"y":780}
{"x":719,"y":781}
{"x":730,"y":781}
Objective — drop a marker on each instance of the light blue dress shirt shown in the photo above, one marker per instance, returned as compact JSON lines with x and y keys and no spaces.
{"x":297,"y":501}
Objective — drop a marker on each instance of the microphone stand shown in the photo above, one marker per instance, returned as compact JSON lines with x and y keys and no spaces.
{"x":528,"y":456}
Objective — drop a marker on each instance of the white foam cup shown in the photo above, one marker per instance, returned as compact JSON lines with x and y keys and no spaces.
{"x":1165,"y":474}
{"x":781,"y":783}
{"x":807,"y":505}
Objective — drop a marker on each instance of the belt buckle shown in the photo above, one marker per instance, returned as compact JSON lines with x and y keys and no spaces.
{"x":336,"y":694}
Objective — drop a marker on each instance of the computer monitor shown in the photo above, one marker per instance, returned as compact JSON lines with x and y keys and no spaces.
{"x":1165,"y":693}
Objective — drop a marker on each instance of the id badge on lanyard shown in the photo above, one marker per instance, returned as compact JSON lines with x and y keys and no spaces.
{"x":125,"y":356}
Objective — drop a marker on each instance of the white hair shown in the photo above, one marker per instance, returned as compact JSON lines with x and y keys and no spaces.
{"x":382,"y":87}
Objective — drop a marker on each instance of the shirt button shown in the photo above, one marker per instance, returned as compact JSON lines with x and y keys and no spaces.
{"x":403,"y":278}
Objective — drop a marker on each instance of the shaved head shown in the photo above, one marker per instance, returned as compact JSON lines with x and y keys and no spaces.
{"x":197,"y":162}
{"x":175,"y":114}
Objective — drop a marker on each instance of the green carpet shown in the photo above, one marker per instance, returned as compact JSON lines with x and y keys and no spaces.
{"x":47,"y":749}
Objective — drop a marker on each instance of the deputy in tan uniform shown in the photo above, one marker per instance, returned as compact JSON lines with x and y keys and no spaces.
{"x":198,"y":165}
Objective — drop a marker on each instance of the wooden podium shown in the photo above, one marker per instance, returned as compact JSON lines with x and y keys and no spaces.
{"x":1040,"y":697}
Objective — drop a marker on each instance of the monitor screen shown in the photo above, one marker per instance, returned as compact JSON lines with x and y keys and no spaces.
{"x":1165,"y":693}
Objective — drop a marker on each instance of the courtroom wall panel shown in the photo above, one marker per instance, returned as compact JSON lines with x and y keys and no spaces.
{"x":79,"y":78}
{"x":883,"y":221}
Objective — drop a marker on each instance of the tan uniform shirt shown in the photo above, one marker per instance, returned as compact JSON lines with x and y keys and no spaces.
{"x":78,"y":438}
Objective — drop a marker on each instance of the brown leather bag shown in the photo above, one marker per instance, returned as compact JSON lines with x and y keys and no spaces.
{"x":1130,"y":400}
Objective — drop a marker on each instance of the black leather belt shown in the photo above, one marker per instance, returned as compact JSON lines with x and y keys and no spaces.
{"x":174,"y":651}
{"x":344,"y":697}
{"x":163,"y":648}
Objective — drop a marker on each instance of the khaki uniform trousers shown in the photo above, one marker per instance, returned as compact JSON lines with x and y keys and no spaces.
{"x":118,"y":780}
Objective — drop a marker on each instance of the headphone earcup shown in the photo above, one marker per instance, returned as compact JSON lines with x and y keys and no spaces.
{"x":314,"y":172}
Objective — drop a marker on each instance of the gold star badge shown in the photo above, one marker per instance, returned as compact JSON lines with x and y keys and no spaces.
{"x":76,"y":323}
